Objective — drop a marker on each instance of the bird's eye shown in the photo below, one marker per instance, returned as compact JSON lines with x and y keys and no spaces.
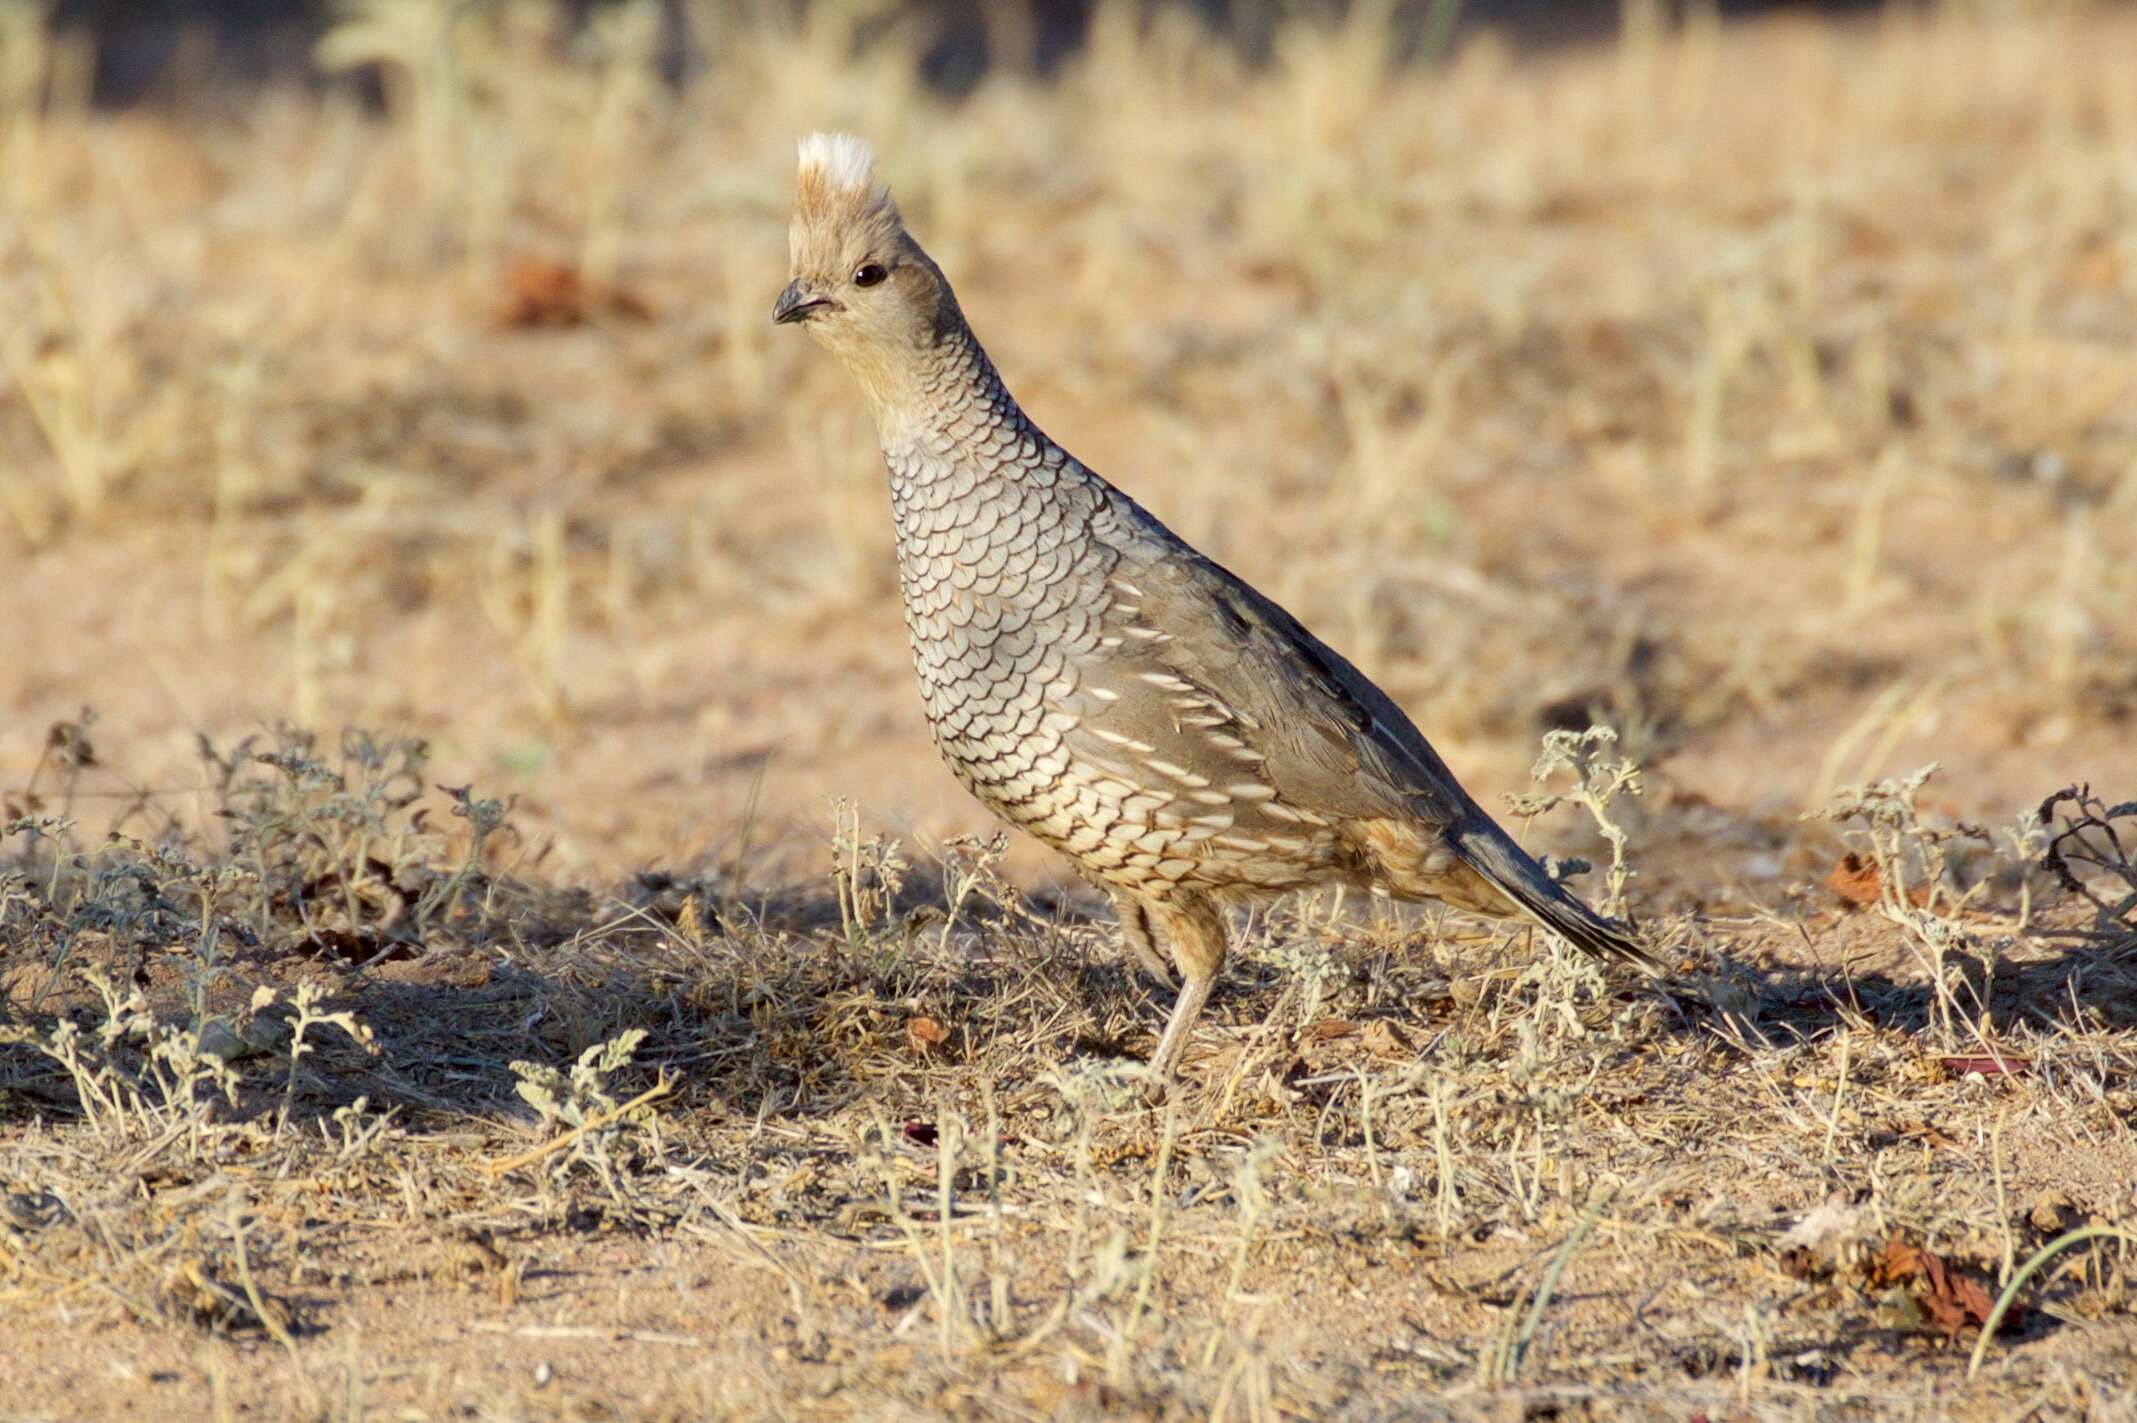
{"x":868,"y":274}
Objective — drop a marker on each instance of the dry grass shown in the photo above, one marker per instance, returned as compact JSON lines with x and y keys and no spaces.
{"x":390,"y":1123}
{"x":1767,"y":393}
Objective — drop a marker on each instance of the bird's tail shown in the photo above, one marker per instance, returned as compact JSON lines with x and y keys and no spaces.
{"x":1492,"y":853}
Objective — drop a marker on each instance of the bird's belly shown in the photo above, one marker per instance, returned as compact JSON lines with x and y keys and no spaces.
{"x":999,"y":660}
{"x":1003,"y":729}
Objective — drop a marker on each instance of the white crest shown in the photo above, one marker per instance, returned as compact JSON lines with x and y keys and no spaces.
{"x":839,"y":161}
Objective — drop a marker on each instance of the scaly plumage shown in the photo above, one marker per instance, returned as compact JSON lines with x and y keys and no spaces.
{"x":1099,"y":683}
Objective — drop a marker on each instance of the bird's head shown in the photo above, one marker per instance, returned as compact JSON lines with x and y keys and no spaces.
{"x":859,"y":282}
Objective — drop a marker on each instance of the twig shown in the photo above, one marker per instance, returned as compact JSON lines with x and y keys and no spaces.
{"x":2025,"y":1272}
{"x":270,"y":1318}
{"x":1840,"y":1091}
{"x":1549,"y":1283}
{"x":587,"y":1331}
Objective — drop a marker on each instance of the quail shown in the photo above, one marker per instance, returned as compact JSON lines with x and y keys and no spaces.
{"x":1099,"y":683}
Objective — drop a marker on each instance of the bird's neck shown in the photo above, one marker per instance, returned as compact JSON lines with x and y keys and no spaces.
{"x":944,"y":407}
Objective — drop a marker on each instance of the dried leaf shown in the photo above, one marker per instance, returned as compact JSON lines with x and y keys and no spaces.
{"x":1896,"y":1263}
{"x":539,"y":292}
{"x":1948,"y":1297}
{"x":1858,"y":883}
{"x":1855,"y":881}
{"x":922,"y":1034}
{"x":1963,"y":1305}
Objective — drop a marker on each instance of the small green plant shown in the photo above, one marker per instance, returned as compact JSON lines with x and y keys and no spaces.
{"x":1911,"y":864}
{"x":136,"y":1078}
{"x":867,"y":874}
{"x":308,"y":1016}
{"x":1598,"y":779}
{"x":971,"y":868}
{"x":1309,"y":963}
{"x":580,"y":1099}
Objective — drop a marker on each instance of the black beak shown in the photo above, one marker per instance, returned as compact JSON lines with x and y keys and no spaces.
{"x":795,"y":304}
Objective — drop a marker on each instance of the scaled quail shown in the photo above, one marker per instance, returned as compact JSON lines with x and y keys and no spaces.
{"x":1102,"y":685}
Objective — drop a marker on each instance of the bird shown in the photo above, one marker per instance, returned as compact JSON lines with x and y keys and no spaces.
{"x":1101,"y":684}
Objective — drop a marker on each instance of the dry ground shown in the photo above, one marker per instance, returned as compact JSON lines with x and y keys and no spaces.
{"x":1768,"y":393}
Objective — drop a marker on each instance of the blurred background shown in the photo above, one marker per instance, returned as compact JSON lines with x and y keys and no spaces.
{"x":961,"y":39}
{"x":1759,"y":379}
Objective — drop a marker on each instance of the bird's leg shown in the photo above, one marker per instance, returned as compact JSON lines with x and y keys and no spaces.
{"x":1165,"y":1062}
{"x":1194,"y":931}
{"x":1135,"y":937}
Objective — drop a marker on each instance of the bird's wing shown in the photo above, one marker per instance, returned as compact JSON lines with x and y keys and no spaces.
{"x":1218,"y":680}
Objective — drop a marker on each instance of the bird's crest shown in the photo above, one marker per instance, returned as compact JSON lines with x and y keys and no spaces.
{"x":837,"y":190}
